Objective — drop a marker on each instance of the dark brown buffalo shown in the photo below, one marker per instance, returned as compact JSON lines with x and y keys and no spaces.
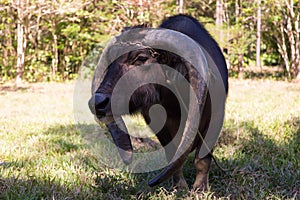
{"x":147,"y":95}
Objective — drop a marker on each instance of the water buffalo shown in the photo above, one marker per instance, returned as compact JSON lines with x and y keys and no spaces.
{"x":150,"y":94}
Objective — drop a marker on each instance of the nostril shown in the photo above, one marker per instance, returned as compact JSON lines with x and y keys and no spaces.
{"x":101,"y":102}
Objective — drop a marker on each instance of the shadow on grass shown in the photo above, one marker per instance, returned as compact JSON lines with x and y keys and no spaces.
{"x":260,"y":168}
{"x":16,"y":188}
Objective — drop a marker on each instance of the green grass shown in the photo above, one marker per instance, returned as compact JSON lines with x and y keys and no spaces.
{"x":43,"y":154}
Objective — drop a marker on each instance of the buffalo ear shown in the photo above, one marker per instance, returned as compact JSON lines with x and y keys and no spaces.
{"x":199,"y":85}
{"x":163,"y":57}
{"x":175,"y":62}
{"x":184,"y":69}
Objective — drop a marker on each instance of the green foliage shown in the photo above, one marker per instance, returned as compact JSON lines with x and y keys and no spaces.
{"x":270,"y":59}
{"x":59,"y":37}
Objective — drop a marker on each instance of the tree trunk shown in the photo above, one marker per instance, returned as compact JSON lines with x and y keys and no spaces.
{"x":20,"y":47}
{"x":240,"y":55}
{"x":237,"y":10}
{"x":240,"y":65}
{"x":297,"y":46}
{"x":281,"y":44}
{"x":289,"y":41}
{"x":54,"y":63}
{"x":227,"y":41}
{"x":38,"y":35}
{"x":219,"y":13}
{"x":293,"y":32}
{"x":180,"y":6}
{"x":219,"y":18}
{"x":291,"y":38}
{"x":141,"y":12}
{"x":258,"y":35}
{"x":5,"y":47}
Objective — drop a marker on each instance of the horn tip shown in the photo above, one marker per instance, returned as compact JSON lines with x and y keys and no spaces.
{"x":155,"y":181}
{"x":152,"y":183}
{"x":127,"y":161}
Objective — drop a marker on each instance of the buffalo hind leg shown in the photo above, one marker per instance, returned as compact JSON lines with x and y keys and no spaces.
{"x":202,"y":166}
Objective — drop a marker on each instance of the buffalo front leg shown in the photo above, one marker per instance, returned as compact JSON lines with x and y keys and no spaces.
{"x":202,"y":166}
{"x":179,"y":182}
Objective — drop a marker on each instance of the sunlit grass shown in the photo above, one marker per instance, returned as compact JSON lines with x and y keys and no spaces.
{"x":43,"y":154}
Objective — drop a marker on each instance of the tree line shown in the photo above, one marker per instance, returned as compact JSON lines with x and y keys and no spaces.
{"x":43,"y":40}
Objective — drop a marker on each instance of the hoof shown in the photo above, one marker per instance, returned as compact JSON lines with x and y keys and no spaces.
{"x":181,"y":185}
{"x":201,"y":187}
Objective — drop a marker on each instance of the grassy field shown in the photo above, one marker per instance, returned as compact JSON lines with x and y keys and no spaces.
{"x":43,"y":156}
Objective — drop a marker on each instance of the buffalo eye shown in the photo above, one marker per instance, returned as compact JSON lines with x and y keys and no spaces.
{"x":140,"y":60}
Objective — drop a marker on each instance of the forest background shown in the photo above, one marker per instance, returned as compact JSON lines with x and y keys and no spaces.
{"x":43,"y":40}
